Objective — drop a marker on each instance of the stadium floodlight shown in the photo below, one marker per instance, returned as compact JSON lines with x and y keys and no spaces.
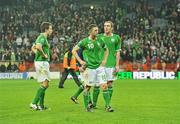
{"x":91,"y":7}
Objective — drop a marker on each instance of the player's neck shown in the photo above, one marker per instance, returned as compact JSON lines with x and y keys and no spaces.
{"x":108,"y":34}
{"x":92,"y":37}
{"x":45,"y":34}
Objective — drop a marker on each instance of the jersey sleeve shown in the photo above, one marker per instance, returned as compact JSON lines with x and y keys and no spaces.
{"x":81,"y":44}
{"x":118,"y":43}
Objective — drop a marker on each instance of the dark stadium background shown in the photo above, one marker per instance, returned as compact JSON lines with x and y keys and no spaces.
{"x":149,"y":30}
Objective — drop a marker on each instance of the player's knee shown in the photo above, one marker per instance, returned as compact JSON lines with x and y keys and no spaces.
{"x":87,"y":88}
{"x":109,"y":83}
{"x":45,"y":84}
{"x":104,"y":86}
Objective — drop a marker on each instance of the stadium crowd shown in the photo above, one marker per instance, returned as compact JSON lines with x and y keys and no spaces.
{"x":149,"y":34}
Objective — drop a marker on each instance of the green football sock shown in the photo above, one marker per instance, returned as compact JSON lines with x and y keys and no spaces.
{"x":110,"y":89}
{"x":79,"y":91}
{"x":41,"y":99}
{"x":89,"y":95}
{"x":37,"y":97}
{"x":106,"y":97}
{"x":96,"y":91}
{"x":86,"y":99}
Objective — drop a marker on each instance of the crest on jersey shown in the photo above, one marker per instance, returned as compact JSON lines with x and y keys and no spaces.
{"x":112,"y":39}
{"x":98,"y":44}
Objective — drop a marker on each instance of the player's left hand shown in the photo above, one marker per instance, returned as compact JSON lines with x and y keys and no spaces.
{"x":83,"y":63}
{"x":117,"y":68}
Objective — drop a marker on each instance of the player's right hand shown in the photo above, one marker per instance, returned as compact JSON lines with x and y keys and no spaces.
{"x":45,"y":56}
{"x":81,"y":69}
{"x":83,"y":63}
{"x":33,"y":48}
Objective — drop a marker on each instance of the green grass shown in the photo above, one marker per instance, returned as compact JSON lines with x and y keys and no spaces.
{"x":134,"y":101}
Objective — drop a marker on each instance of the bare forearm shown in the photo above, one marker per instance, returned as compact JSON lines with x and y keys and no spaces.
{"x":33,"y":48}
{"x":77,"y":57}
{"x":74,"y":51}
{"x":117,"y":58}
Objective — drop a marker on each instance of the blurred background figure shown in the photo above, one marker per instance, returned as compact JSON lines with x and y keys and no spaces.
{"x":70,"y":67}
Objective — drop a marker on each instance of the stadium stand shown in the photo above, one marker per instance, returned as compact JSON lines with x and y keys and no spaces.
{"x":149,"y":30}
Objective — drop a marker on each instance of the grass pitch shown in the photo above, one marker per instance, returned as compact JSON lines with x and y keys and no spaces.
{"x":134,"y":102}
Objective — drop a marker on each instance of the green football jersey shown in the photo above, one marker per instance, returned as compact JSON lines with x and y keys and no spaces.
{"x":113,"y":43}
{"x":45,"y":46}
{"x":92,"y":51}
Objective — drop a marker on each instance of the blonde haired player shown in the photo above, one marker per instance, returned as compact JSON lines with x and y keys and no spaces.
{"x":113,"y":43}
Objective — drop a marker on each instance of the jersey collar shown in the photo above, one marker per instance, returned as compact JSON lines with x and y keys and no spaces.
{"x":109,"y":36}
{"x":91,"y":39}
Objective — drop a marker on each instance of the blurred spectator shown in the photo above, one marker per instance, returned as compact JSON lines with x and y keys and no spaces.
{"x":9,"y":69}
{"x":2,"y":68}
{"x":19,"y":41}
{"x":22,"y":67}
{"x":141,"y":25}
{"x":14,"y":67}
{"x":13,"y":57}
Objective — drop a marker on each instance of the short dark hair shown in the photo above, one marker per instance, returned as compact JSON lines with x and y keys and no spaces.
{"x":45,"y":26}
{"x":91,"y":26}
